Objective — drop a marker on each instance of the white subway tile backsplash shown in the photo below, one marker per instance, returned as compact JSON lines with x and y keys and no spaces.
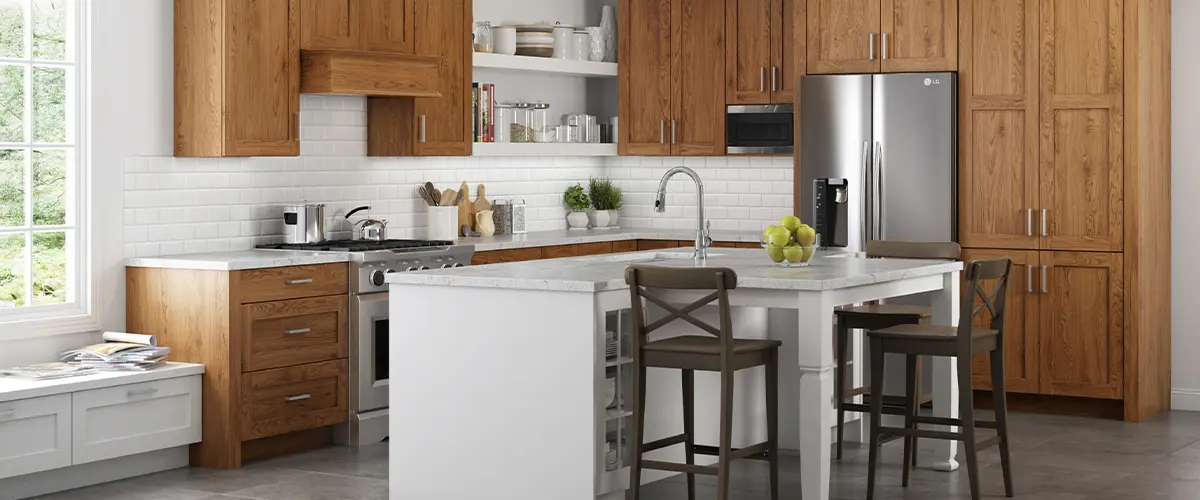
{"x":185,"y":205}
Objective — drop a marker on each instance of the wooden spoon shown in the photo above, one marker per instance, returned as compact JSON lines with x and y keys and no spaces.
{"x":449,"y":197}
{"x":426,"y":196}
{"x":434,"y":193}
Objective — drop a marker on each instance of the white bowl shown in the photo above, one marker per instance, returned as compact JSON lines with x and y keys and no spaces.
{"x":610,"y":391}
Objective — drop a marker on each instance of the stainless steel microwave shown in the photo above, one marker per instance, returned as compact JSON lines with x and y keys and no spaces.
{"x":760,"y":129}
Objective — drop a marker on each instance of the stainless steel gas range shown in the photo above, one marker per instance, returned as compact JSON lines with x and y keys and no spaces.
{"x":370,"y":262}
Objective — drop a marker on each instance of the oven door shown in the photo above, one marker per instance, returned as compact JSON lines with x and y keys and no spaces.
{"x":765,"y":130}
{"x":369,"y":359}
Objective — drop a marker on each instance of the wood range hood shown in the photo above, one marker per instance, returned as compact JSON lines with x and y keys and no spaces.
{"x":369,"y":73}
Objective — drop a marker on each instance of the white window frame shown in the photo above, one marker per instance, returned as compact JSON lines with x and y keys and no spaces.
{"x":79,"y":315}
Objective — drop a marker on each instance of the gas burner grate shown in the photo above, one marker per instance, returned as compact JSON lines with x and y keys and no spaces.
{"x":359,"y":245}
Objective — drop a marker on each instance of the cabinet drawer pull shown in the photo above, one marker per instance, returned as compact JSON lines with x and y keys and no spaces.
{"x":297,"y":331}
{"x":300,"y":281}
{"x":299,"y":397}
{"x":141,"y":392}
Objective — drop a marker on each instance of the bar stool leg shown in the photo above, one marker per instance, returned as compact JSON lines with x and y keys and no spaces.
{"x":726,"y":445}
{"x":966,"y":410}
{"x":689,"y":427}
{"x":839,"y":380}
{"x":911,"y":396}
{"x":877,"y":367}
{"x":637,"y":433}
{"x":917,"y":408}
{"x":1000,"y":403}
{"x":773,"y":420}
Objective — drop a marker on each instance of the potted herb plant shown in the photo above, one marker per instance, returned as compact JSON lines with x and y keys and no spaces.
{"x":577,"y":202}
{"x":606,"y":200}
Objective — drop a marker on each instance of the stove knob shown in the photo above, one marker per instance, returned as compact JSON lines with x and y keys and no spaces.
{"x":423,"y":268}
{"x":446,"y":266}
{"x":457,"y":264}
{"x":378,"y":277}
{"x":411,"y":269}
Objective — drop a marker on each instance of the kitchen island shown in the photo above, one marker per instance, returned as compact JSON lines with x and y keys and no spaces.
{"x":511,"y":380}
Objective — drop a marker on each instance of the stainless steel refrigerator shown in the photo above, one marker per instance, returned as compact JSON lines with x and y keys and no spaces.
{"x":878,"y":158}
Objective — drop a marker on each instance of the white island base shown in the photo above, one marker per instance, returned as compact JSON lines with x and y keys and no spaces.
{"x":499,"y":372}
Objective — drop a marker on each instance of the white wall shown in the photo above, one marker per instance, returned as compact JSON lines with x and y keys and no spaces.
{"x":1185,"y":182}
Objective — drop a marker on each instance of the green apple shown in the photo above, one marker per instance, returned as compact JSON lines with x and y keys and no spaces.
{"x":808,"y":254}
{"x":790,"y":222}
{"x":805,"y":235}
{"x":779,"y":237}
{"x":767,"y":231}
{"x":775,"y":252}
{"x":794,"y":253}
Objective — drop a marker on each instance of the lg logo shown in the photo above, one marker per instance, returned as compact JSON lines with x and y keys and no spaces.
{"x":932,"y":81}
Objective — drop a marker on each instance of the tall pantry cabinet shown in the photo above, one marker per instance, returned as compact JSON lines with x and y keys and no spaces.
{"x":1064,"y":165}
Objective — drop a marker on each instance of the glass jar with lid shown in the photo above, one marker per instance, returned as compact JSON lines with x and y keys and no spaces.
{"x":521,"y":122}
{"x":543,"y":129}
{"x":504,"y":121}
{"x":483,"y":36}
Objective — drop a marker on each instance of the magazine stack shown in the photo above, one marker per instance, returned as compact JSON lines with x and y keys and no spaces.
{"x":122,"y":352}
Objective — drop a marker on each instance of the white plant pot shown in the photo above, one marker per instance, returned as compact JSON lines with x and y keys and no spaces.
{"x":577,"y":220}
{"x":613,"y":215}
{"x":599,"y":218}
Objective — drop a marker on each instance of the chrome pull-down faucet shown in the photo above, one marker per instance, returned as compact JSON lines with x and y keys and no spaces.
{"x":703,"y":240}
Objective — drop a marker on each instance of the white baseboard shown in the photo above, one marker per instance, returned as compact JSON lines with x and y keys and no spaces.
{"x":1185,"y":399}
{"x":78,"y":476}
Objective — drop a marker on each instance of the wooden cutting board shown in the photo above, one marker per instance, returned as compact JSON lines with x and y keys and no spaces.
{"x":466,"y":209}
{"x":481,"y":202}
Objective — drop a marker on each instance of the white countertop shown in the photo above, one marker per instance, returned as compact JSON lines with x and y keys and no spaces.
{"x":12,"y":389}
{"x":575,"y":237}
{"x":607,"y":272}
{"x":238,"y":260}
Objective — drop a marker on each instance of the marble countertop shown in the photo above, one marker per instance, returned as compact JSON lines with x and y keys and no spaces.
{"x":12,"y":389}
{"x":575,"y":237}
{"x":238,"y":260}
{"x":607,"y":272}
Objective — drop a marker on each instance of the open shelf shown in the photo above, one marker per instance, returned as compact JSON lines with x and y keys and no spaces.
{"x":543,"y":149}
{"x":526,"y":64}
{"x":615,"y":413}
{"x":624,"y":360}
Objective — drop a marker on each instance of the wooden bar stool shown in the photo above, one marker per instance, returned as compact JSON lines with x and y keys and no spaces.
{"x":719,"y":353}
{"x":879,"y":316}
{"x":962,"y":341}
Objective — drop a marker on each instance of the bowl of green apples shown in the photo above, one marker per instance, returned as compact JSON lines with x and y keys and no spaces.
{"x":791,"y":243}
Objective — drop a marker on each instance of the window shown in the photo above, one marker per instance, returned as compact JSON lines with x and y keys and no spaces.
{"x":43,"y":257}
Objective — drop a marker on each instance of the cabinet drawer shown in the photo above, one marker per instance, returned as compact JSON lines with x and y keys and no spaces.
{"x":560,"y":252}
{"x":498,"y":256}
{"x":656,"y":244}
{"x":292,"y":282}
{"x":294,"y":332}
{"x":596,"y":248}
{"x":625,"y":246}
{"x":135,"y":418}
{"x":293,"y":399}
{"x":35,"y":435}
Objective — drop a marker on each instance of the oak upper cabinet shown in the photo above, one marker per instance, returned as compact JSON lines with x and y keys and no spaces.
{"x":1020,"y":322}
{"x":998,"y":124}
{"x":918,"y":35}
{"x":1082,"y":324}
{"x":1082,"y":94}
{"x":671,"y":90}
{"x":842,"y":36}
{"x":889,"y":36}
{"x":237,"y":78}
{"x":368,"y":25}
{"x":645,"y":68}
{"x":762,"y":41}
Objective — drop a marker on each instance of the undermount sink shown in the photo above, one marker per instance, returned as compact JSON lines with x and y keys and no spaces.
{"x":656,"y":257}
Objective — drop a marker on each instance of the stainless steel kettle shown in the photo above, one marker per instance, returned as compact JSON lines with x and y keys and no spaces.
{"x":368,"y":229}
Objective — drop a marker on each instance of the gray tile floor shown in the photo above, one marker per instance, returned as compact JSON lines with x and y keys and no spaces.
{"x":1056,"y":458}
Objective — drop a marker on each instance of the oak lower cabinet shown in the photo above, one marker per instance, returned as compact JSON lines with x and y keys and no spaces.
{"x":274,"y":343}
{"x":1065,"y":150}
{"x":1064,"y":325}
{"x":237,"y":78}
{"x":889,"y":36}
{"x":671,"y":90}
{"x":764,"y":44}
{"x":584,"y":249}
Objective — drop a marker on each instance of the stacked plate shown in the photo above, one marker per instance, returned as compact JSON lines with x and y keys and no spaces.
{"x":610,"y":345}
{"x":536,"y":40}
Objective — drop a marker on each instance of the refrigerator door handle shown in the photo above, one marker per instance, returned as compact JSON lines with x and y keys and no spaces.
{"x":877,"y":190}
{"x":866,"y":229}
